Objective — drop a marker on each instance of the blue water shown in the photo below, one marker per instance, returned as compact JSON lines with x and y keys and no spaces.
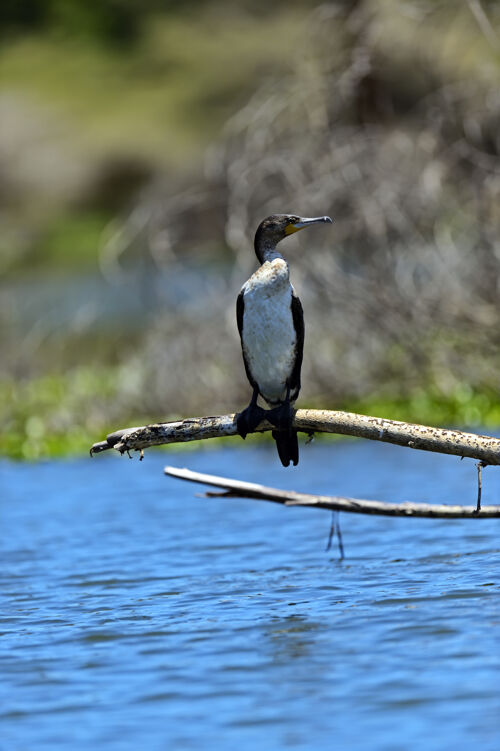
{"x":135,"y":615}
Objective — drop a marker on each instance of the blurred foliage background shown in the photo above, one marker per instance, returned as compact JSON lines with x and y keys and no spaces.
{"x":142,"y":141}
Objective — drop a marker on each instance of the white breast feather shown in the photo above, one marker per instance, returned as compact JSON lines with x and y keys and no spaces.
{"x":268,"y":334}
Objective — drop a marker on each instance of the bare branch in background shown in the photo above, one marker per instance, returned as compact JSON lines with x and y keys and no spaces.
{"x":484,"y":23}
{"x":403,"y":292}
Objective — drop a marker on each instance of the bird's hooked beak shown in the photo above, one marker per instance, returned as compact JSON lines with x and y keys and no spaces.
{"x":306,"y":222}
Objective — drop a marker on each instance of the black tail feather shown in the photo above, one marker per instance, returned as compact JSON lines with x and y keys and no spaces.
{"x":288,"y":446}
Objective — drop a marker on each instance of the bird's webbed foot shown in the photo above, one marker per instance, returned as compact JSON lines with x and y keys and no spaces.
{"x":281,"y":417}
{"x":250,"y":418}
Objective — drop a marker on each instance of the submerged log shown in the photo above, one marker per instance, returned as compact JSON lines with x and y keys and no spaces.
{"x":239,"y":489}
{"x":485,"y":449}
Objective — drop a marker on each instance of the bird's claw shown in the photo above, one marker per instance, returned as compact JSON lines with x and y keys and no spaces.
{"x":249,"y":419}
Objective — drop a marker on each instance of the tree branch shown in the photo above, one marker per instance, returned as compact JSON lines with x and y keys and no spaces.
{"x":482,"y":448}
{"x":239,"y":489}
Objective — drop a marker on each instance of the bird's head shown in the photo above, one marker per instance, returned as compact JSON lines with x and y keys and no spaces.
{"x":278,"y":226}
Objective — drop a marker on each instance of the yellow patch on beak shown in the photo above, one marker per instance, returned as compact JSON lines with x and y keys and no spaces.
{"x":291,"y":228}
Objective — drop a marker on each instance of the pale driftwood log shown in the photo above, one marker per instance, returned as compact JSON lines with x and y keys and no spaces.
{"x":239,"y":489}
{"x":480,"y":447}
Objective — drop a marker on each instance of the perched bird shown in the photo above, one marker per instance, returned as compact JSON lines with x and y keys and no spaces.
{"x":271,"y":326}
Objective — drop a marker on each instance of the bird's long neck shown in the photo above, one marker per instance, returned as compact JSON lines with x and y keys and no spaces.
{"x":265,"y":248}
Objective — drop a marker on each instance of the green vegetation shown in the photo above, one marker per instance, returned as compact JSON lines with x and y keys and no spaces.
{"x":156,"y":101}
{"x":53,"y":416}
{"x":383,"y":114}
{"x":70,"y":244}
{"x":91,"y":113}
{"x":64,"y":415}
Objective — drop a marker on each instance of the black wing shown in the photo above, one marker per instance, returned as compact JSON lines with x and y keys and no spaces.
{"x":298,"y":323}
{"x":240,"y":310}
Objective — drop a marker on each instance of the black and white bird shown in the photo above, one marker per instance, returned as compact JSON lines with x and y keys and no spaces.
{"x":271,"y":326}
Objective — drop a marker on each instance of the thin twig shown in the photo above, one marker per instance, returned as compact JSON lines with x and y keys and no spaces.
{"x":330,"y":533}
{"x":484,"y":24}
{"x":335,"y":529}
{"x":480,"y":466}
{"x":339,"y":539}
